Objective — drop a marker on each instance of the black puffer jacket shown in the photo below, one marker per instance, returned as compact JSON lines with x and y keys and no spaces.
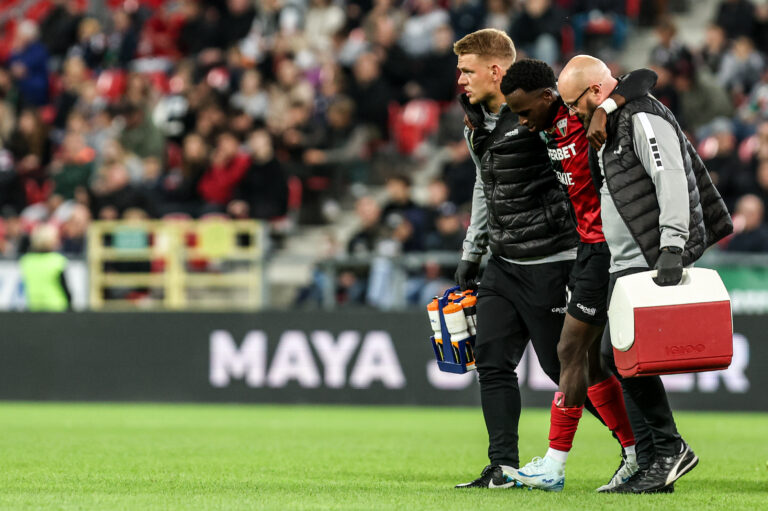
{"x":634,"y":195}
{"x":529,"y":214}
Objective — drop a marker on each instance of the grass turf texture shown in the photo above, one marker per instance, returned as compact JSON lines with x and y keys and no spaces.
{"x":104,"y":456}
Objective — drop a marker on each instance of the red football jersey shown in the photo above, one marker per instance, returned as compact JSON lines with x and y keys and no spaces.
{"x":569,"y":151}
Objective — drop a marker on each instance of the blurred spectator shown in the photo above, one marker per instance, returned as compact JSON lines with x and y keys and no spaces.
{"x":669,"y":51}
{"x":340,"y":147}
{"x":123,"y":40}
{"x":140,"y":135}
{"x":419,"y":28}
{"x":741,"y":67}
{"x":755,"y":107}
{"x":29,"y":64}
{"x":437,"y":195}
{"x":228,"y":167}
{"x":29,"y":143}
{"x":365,"y":241}
{"x":112,"y":193}
{"x":42,"y":271}
{"x":761,"y":180}
{"x":761,"y":27}
{"x":715,"y":46}
{"x":177,"y":189}
{"x":263,"y":191}
{"x":536,"y":30}
{"x":751,"y":232}
{"x":367,"y":85}
{"x":91,"y":43}
{"x":200,"y":27}
{"x":12,"y":196}
{"x":407,"y":220}
{"x":437,"y":76}
{"x":59,"y":27}
{"x":236,"y":21}
{"x":718,"y":152}
{"x":700,"y":98}
{"x":74,"y":77}
{"x":396,"y":65}
{"x":74,"y":230}
{"x":449,"y":233}
{"x":324,"y":19}
{"x":498,"y":15}
{"x":736,"y":17}
{"x":114,"y":152}
{"x":251,"y":98}
{"x":31,"y":150}
{"x":72,"y":168}
{"x":291,"y":89}
{"x":466,"y":16}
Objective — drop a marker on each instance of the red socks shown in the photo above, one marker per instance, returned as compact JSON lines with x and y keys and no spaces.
{"x":607,"y":398}
{"x":563,"y":423}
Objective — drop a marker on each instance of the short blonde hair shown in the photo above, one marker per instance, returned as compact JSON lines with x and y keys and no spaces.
{"x":44,"y":238}
{"x":487,"y":42}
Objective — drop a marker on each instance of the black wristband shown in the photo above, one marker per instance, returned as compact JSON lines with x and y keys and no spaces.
{"x":672,"y":250}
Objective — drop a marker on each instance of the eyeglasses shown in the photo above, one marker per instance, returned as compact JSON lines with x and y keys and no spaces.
{"x":572,"y":106}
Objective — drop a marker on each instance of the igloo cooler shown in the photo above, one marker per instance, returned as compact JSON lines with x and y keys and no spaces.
{"x":671,"y":329}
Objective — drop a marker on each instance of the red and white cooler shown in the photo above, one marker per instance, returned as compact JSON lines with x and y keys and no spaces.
{"x":671,"y":329}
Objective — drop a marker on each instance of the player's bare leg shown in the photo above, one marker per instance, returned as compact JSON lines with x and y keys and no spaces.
{"x":578,"y":347}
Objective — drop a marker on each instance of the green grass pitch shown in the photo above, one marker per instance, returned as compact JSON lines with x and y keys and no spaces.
{"x":145,"y":457}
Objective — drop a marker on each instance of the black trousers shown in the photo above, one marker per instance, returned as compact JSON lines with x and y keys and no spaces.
{"x":647,"y":405}
{"x":515,"y":303}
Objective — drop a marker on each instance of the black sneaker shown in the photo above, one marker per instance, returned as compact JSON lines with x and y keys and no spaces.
{"x":492,"y":477}
{"x":662,"y":473}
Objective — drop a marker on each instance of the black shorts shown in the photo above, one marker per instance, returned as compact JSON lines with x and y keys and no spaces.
{"x":588,"y":283}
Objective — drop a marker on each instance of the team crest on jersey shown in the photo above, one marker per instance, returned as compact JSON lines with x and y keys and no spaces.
{"x":562,"y":127}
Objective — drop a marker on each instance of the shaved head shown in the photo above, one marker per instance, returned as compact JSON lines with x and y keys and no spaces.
{"x":581,"y":72}
{"x":584,"y":83}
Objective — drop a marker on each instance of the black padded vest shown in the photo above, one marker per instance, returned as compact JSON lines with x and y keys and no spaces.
{"x":634,"y":195}
{"x":529,"y":214}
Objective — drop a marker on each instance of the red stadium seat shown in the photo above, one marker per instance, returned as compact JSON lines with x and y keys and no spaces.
{"x":111,"y":84}
{"x":411,"y":124}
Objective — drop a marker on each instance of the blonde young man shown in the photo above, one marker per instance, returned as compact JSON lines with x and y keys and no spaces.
{"x":521,"y":213}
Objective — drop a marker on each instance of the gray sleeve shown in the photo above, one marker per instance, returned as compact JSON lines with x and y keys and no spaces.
{"x":476,"y":241}
{"x":658,"y":148}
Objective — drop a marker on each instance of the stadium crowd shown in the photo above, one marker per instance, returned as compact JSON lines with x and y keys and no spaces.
{"x":268,"y":109}
{"x":719,"y":92}
{"x":290,"y":110}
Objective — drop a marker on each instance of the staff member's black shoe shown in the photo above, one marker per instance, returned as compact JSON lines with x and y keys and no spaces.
{"x":662,"y":474}
{"x":493,"y":476}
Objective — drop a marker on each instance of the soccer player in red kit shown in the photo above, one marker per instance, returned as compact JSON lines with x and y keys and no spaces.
{"x":530,"y":90}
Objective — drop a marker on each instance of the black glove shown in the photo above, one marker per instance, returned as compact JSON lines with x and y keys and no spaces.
{"x":466,"y":273}
{"x":669,"y":267}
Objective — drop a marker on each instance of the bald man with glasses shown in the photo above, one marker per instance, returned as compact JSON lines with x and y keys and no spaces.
{"x":659,"y":210}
